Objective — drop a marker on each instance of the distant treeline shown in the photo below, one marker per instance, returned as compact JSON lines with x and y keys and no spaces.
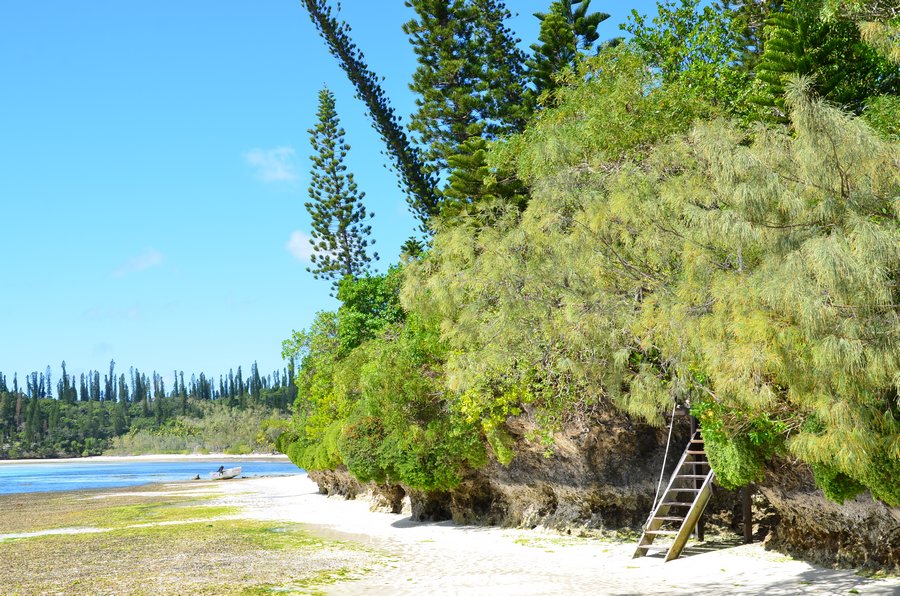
{"x":86,"y":413}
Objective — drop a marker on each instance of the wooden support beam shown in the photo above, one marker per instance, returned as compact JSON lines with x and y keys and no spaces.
{"x":747,"y":510}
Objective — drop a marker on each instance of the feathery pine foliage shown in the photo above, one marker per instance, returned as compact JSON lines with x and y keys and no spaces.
{"x":532,"y":320}
{"x":841,"y":67}
{"x":782,"y":300}
{"x":469,"y":81}
{"x":340,"y":234}
{"x":757,"y":278}
{"x":883,"y":114}
{"x":420,"y":186}
{"x":566,"y":30}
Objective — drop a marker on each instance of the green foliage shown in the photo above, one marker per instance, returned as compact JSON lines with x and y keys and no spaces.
{"x":748,"y":20}
{"x":878,"y":22}
{"x":786,"y":253}
{"x":412,"y":248}
{"x":663,"y":253}
{"x":699,"y":49}
{"x":567,"y":30}
{"x":883,"y":114}
{"x":419,"y":184}
{"x":369,"y":304}
{"x":340,"y":234}
{"x":474,"y":189}
{"x":836,"y":485}
{"x":612,"y":109}
{"x":213,"y":428}
{"x":735,"y":461}
{"x":370,"y":395}
{"x":738,"y":442}
{"x":840,"y":66}
{"x":534,"y":324}
{"x":470,"y":75}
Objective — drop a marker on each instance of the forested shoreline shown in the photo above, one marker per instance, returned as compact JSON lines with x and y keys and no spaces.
{"x":135,"y":413}
{"x":705,"y":214}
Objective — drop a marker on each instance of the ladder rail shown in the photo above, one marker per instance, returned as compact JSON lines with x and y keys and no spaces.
{"x":653,"y":522}
{"x":692,"y":517}
{"x":698,"y":501}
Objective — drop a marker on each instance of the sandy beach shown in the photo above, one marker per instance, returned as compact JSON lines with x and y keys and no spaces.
{"x":106,"y":536}
{"x":443,"y":558}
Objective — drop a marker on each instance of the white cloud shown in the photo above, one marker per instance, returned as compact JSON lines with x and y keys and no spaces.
{"x":149,"y":258}
{"x":299,"y":247}
{"x":273,"y":165}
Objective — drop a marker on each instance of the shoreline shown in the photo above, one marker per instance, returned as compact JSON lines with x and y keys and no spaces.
{"x":152,"y":457}
{"x":442,"y":557}
{"x":410,"y":557}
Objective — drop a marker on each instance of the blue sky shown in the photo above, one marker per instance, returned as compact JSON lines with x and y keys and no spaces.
{"x":153,"y":170}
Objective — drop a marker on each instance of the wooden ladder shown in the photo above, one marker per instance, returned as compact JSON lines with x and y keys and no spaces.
{"x":681,"y":505}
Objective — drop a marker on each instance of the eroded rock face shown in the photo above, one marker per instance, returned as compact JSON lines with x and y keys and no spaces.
{"x":339,"y":482}
{"x":603,"y":475}
{"x":863,"y":532}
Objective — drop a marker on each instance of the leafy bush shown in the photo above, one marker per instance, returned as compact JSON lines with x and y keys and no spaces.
{"x":836,"y":485}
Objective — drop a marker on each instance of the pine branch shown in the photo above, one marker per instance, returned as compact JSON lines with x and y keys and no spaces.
{"x":419,"y":185}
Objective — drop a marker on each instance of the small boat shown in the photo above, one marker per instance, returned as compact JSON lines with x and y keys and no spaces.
{"x":225,"y":473}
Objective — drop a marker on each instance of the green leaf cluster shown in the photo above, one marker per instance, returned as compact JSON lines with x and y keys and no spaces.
{"x":370,"y":394}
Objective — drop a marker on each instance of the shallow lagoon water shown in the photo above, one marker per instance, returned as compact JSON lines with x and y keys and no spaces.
{"x":76,"y":475}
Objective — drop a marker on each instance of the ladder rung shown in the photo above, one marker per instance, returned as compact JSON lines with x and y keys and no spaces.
{"x":676,"y":503}
{"x":696,"y":440}
{"x":662,"y":532}
{"x":668,"y":518}
{"x":675,"y":489}
{"x":691,"y":476}
{"x":694,"y":452}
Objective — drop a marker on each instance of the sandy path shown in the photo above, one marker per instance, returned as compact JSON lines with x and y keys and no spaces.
{"x":442,"y":558}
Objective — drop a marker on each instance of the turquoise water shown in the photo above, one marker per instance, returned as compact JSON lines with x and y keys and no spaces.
{"x":77,"y":474}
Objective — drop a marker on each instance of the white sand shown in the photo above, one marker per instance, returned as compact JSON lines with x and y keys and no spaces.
{"x":443,"y":558}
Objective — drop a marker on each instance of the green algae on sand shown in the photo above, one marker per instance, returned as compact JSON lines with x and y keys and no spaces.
{"x":166,"y":543}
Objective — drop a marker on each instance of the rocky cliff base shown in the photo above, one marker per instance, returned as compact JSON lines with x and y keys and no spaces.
{"x":603,"y":475}
{"x":861,"y":532}
{"x":600,"y":475}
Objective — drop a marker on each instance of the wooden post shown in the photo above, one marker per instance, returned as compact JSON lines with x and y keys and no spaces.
{"x":747,"y":507}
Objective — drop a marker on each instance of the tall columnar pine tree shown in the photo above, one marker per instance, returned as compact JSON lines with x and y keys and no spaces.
{"x":566,"y":30}
{"x":469,"y":81}
{"x":340,"y":234}
{"x":416,"y":180}
{"x":841,"y":67}
{"x":748,"y":19}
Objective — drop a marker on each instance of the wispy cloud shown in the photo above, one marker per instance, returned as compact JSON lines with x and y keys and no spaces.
{"x":147,"y":259}
{"x":299,"y":247}
{"x":273,"y":165}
